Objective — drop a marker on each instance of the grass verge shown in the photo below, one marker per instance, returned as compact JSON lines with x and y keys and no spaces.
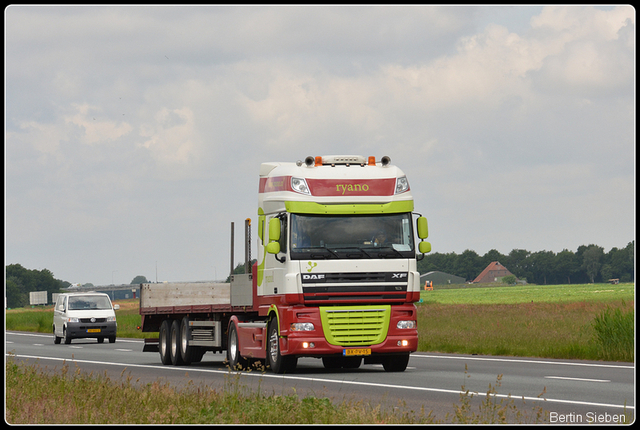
{"x":68,"y":396}
{"x":549,"y":330}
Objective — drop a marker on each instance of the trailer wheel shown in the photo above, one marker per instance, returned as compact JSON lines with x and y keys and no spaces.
{"x":279,"y":363}
{"x":163,"y":342}
{"x":236,"y":361}
{"x":174,"y":344}
{"x":396,"y":363}
{"x":186,"y":351}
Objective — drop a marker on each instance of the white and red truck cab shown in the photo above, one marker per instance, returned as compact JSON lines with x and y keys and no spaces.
{"x":335,"y":277}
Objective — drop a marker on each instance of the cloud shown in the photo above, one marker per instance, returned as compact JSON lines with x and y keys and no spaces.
{"x":150,"y":123}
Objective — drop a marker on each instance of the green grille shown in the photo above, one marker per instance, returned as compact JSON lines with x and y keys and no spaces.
{"x":355,"y":325}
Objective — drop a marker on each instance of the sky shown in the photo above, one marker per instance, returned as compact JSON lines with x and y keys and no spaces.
{"x":134,"y":134}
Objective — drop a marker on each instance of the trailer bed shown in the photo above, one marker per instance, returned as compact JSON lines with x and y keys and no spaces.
{"x":183,"y":297}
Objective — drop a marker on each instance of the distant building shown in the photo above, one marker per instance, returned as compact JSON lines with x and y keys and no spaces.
{"x":441,"y":278}
{"x":492,"y":273}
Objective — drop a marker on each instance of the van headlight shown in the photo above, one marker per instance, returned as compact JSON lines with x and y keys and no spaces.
{"x":111,"y":319}
{"x":406,"y":324}
{"x":73,"y":319}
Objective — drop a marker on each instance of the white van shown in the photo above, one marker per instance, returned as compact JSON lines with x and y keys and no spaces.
{"x":84,"y":315}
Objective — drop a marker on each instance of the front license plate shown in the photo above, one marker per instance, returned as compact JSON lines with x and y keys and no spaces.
{"x":356,"y":351}
{"x":93,"y":330}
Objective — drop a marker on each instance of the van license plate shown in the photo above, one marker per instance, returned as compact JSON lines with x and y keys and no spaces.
{"x":356,"y":351}
{"x":93,"y":330}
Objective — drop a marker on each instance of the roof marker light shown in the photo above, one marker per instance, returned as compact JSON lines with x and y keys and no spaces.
{"x":318,"y":161}
{"x":372,"y":160}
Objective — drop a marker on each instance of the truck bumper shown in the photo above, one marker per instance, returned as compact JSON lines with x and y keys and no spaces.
{"x":315,"y":343}
{"x":319,"y":347}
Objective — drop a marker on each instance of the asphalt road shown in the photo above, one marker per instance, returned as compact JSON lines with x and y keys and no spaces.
{"x":574,"y":390}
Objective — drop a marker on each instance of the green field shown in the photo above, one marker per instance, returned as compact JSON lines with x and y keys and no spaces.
{"x":477,"y":295}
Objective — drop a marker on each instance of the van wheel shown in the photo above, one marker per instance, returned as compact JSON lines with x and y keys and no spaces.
{"x":174,"y":344}
{"x":65,"y":335}
{"x":163,"y":342}
{"x":56,"y":339}
{"x":112,"y":339}
{"x":101,"y":340}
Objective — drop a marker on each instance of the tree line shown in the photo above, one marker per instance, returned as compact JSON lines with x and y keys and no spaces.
{"x":19,"y":282}
{"x":588,"y":264}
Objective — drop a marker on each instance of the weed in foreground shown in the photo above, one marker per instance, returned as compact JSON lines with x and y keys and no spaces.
{"x":491,"y":411}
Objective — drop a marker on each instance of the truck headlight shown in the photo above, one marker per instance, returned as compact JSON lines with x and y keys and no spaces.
{"x":402,"y":185}
{"x":302,"y":326}
{"x":406,"y":324}
{"x":299,"y":185}
{"x":111,"y":319}
{"x":73,"y":319}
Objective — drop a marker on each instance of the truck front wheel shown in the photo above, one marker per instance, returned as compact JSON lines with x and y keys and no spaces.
{"x":236,"y":361}
{"x":279,"y":363}
{"x":396,"y":363}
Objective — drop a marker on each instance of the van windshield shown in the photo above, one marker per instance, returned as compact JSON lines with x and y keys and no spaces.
{"x":351,"y":236}
{"x":89,"y":302}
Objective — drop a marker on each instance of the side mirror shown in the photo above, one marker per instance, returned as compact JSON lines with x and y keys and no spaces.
{"x":61,"y":308}
{"x":423,"y":228}
{"x":274,"y":229}
{"x":273,"y":247}
{"x":424,"y":247}
{"x":116,"y":307}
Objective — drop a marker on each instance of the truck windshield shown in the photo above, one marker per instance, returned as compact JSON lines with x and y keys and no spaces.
{"x":351,"y":236}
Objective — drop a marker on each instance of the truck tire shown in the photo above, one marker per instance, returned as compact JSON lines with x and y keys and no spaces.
{"x":186,"y":351}
{"x":236,"y":361}
{"x":279,"y":363}
{"x":396,"y":363}
{"x":174,"y":344}
{"x":163,"y":342}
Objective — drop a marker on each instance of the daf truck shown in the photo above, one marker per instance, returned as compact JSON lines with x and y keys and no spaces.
{"x":335,"y":276}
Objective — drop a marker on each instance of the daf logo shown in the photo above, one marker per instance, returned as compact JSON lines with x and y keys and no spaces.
{"x":314,"y":277}
{"x":93,"y":320}
{"x":399,"y":275}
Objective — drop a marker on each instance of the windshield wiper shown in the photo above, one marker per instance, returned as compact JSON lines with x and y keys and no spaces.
{"x":358,"y":248}
{"x":324,"y":248}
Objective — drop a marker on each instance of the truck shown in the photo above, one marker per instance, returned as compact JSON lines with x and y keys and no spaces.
{"x":335,"y":276}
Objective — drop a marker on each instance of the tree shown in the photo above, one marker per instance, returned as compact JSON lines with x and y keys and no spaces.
{"x":139,"y":280}
{"x":20,"y":282}
{"x":592,"y":261}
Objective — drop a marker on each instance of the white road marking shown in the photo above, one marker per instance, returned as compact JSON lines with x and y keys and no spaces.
{"x":577,"y":379}
{"x":512,"y":360}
